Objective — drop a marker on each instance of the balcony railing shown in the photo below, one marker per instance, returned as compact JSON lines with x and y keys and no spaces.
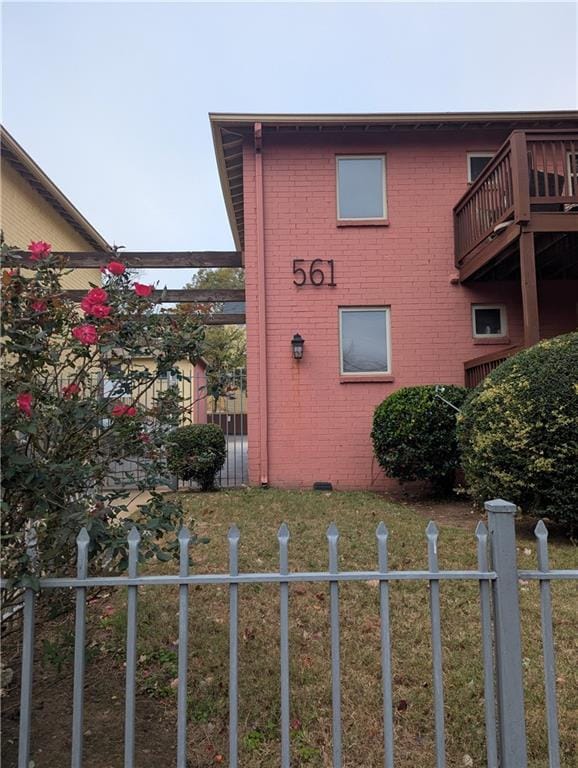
{"x":477,"y":369}
{"x":533,"y":171}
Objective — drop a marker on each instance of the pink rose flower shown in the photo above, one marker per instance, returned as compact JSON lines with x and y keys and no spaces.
{"x":86,"y":334}
{"x":24,"y":402}
{"x":39,"y":249}
{"x":116,"y":268}
{"x":70,"y":390}
{"x":143,"y":290}
{"x":39,"y":306}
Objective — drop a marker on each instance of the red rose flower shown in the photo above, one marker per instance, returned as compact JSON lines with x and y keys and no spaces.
{"x":116,"y":268}
{"x":121,"y":409}
{"x":86,"y":334}
{"x":24,"y":402}
{"x":39,"y":249}
{"x":97,"y":296}
{"x":144,"y":438}
{"x":93,"y":303}
{"x":70,"y":390}
{"x":143,"y":290}
{"x":98,"y":310}
{"x":38,"y":306}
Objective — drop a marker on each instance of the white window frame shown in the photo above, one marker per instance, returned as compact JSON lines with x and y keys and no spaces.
{"x":469,"y":156}
{"x":387,"y":311}
{"x":170,"y":378}
{"x":381,"y":157}
{"x":503,"y":321}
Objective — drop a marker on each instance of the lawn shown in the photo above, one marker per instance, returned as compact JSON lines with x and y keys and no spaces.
{"x":258,"y":515}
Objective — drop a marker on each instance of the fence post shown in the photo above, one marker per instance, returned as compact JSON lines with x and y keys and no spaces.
{"x":507,"y":634}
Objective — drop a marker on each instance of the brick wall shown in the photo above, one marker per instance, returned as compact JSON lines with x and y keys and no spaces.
{"x":27,"y":216}
{"x":318,"y":426}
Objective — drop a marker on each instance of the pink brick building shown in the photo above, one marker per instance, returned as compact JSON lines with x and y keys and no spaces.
{"x":446,"y":242}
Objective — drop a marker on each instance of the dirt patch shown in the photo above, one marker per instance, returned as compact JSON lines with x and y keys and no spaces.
{"x":155,"y":729}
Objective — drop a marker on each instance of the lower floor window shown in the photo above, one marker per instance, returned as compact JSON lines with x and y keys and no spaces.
{"x":364,"y":340}
{"x":488,"y":320}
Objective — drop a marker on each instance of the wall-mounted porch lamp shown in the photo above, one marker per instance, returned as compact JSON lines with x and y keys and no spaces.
{"x":297,"y":342}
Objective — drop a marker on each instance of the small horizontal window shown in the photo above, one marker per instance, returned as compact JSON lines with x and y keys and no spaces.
{"x":488,"y":320}
{"x":364,"y":340}
{"x":361,"y":187}
{"x":477,"y":161}
{"x":170,"y":377}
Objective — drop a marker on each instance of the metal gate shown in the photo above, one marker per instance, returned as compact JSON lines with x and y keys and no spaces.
{"x":205,"y":398}
{"x":222,"y":400}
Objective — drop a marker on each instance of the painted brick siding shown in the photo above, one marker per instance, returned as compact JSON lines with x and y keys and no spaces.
{"x":27,"y":216}
{"x":318,"y":426}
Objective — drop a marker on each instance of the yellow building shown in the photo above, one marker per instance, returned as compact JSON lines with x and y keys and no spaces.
{"x":33,"y":208}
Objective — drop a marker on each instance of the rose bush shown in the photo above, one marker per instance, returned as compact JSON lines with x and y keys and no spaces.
{"x":72,"y":405}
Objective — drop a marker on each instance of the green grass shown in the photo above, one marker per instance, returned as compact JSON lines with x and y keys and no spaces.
{"x":258,"y":515}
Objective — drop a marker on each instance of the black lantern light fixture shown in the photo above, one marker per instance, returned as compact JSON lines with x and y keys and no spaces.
{"x":297,"y":342}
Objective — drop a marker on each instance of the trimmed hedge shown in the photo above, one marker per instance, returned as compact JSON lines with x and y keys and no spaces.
{"x":197,"y":452}
{"x":518,"y":432}
{"x":414,"y":434}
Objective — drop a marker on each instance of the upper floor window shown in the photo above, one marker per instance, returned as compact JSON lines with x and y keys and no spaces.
{"x":488,"y":320}
{"x":477,"y":161}
{"x":364,"y":340}
{"x":361,"y":187}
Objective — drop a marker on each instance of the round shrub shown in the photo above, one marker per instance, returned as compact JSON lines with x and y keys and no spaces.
{"x":414,"y":434}
{"x":197,"y":452}
{"x":519,"y":431}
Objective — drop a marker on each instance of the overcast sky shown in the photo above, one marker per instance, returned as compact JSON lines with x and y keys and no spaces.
{"x":111,"y":99}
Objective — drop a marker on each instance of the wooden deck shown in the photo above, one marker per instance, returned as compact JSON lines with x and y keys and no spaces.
{"x":530,"y":186}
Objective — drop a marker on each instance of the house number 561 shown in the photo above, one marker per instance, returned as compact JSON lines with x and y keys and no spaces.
{"x":319,"y":272}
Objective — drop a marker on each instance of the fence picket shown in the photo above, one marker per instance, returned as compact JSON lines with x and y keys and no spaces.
{"x":333,"y":538}
{"x":184,"y":540}
{"x":131,"y":639}
{"x":541,"y":533}
{"x":486,"y":625}
{"x":82,"y":543}
{"x":27,"y":660}
{"x":382,"y":535}
{"x":436,"y":640}
{"x":233,"y":537}
{"x":283,"y":536}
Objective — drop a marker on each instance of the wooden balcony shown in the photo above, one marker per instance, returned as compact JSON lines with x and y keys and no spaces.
{"x":530,"y":185}
{"x":476,"y":370}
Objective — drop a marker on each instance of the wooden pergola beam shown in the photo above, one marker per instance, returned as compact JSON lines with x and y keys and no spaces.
{"x":225,"y":318}
{"x":181,"y":295}
{"x":138,"y":259}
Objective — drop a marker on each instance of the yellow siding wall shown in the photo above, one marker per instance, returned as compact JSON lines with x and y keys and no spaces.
{"x":186,"y":388}
{"x":26,"y":216}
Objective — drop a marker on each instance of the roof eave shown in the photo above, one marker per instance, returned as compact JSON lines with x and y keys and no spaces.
{"x":53,"y":194}
{"x":219,"y":154}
